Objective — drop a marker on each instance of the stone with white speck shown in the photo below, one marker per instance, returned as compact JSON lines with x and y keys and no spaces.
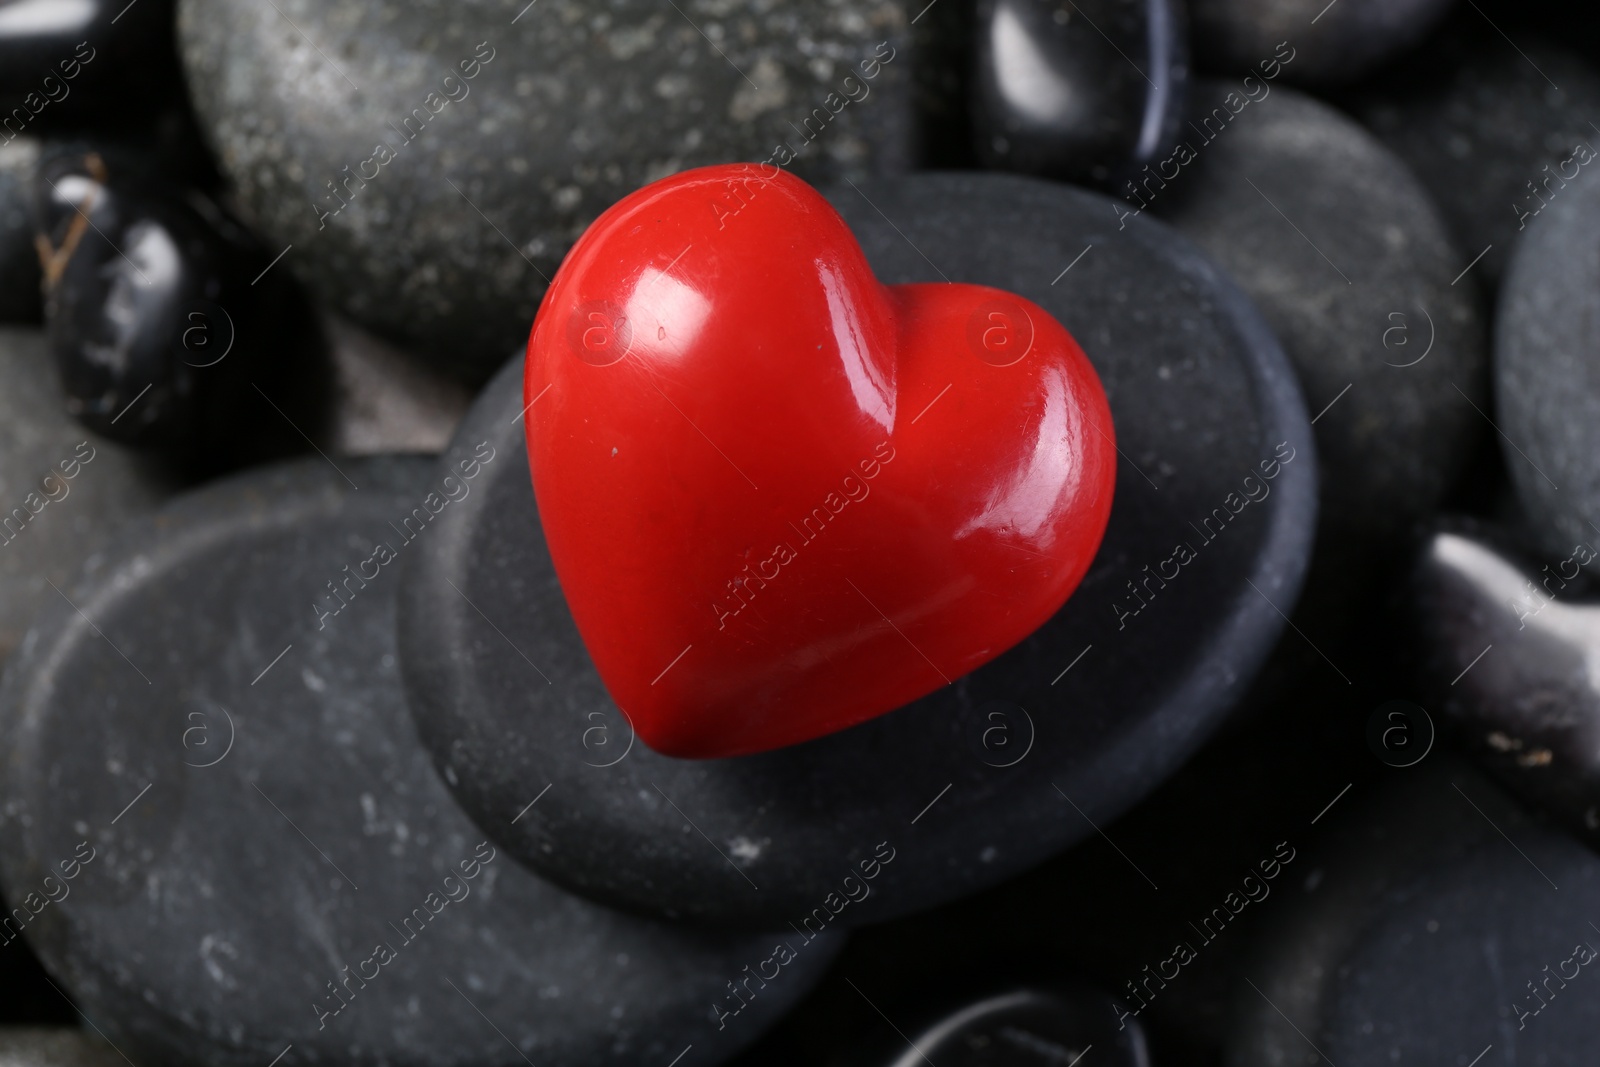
{"x":215,"y":911}
{"x":442,"y":242}
{"x":1504,"y":645}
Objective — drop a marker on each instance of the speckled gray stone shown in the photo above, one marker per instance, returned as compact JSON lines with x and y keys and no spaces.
{"x":254,"y":814}
{"x":37,"y":1046}
{"x":1479,"y":121}
{"x":1335,"y":42}
{"x":1347,"y":258}
{"x":448,"y":246}
{"x":62,"y":520}
{"x":1546,"y":379}
{"x":19,"y":263}
{"x":985,"y":777}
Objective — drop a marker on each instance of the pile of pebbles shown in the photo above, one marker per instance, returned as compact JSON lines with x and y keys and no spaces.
{"x":303,"y":759}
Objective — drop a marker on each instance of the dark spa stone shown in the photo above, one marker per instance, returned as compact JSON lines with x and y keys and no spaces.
{"x":19,"y":263}
{"x":1350,"y":263}
{"x":1547,"y":383}
{"x":1023,"y":1027}
{"x":1228,"y":831}
{"x":167,"y":323}
{"x":1438,"y":924}
{"x":63,"y":489}
{"x":1506,"y":642}
{"x":979,"y":780}
{"x":1083,"y":91}
{"x":1337,"y":42}
{"x":1495,"y":130}
{"x":431,"y":167}
{"x":227,"y":843}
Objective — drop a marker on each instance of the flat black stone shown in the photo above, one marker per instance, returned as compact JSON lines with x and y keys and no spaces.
{"x":1432,"y":905}
{"x":1351,"y":264}
{"x":1546,"y":380}
{"x":63,"y":489}
{"x":256,"y":814}
{"x":1094,"y":710}
{"x":445,"y":245}
{"x":1083,"y":91}
{"x":1336,"y":43}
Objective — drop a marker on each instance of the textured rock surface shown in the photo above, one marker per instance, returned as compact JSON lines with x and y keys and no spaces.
{"x":1337,"y":42}
{"x":217,"y":786}
{"x":446,"y":242}
{"x":1431,"y":917}
{"x":1546,"y":380}
{"x":1348,"y":260}
{"x":1486,"y":125}
{"x":1009,"y":762}
{"x":62,"y":519}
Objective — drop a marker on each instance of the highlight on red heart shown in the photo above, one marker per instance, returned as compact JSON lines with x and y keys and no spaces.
{"x":781,"y":497}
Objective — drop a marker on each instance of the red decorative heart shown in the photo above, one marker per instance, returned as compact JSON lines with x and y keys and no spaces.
{"x":782,"y":497}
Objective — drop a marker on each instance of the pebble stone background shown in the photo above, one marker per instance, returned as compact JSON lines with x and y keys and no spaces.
{"x":1328,"y":795}
{"x":570,"y":107}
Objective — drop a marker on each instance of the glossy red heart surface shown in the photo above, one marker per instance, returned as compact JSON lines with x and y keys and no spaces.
{"x":781,"y":497}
